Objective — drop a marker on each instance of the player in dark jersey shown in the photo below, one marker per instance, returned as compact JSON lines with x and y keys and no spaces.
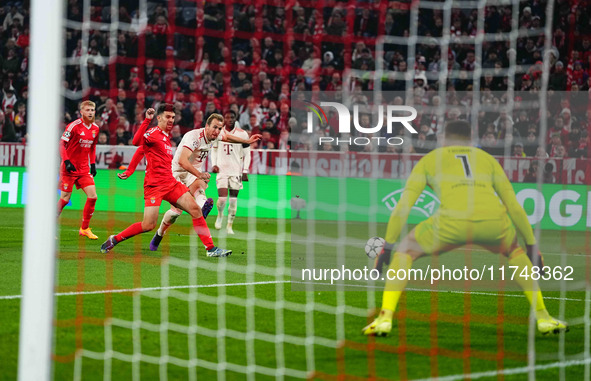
{"x":160,"y":184}
{"x":78,"y":150}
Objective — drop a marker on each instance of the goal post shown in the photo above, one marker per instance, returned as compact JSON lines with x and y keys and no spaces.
{"x":35,"y":342}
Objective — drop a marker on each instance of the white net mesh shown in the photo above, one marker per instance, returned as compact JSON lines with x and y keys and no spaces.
{"x":180,"y":315}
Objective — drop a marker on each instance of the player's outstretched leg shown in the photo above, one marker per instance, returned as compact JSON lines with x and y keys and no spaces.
{"x":221,"y":204}
{"x":207,"y":207}
{"x":169,"y":218}
{"x":206,"y":204}
{"x":546,"y":324}
{"x":232,"y":207}
{"x":149,"y":223}
{"x":187,"y":203}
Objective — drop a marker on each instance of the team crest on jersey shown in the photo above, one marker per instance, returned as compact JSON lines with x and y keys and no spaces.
{"x":93,"y":134}
{"x":153,"y":200}
{"x":66,"y":186}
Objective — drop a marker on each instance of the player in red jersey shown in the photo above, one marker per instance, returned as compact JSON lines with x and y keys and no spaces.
{"x":160,"y":184}
{"x":78,"y":149}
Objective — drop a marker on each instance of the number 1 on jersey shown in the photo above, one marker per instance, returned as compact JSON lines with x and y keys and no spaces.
{"x":466,"y":165}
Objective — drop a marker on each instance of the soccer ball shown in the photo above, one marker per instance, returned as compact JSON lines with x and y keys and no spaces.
{"x":374,"y":246}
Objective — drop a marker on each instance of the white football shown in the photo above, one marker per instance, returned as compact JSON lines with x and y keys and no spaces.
{"x":374,"y":246}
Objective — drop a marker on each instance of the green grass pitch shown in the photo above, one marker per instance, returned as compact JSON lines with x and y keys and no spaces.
{"x":480,"y":343}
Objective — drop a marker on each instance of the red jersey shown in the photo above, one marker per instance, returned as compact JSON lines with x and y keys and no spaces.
{"x":158,"y":151}
{"x":80,"y":146}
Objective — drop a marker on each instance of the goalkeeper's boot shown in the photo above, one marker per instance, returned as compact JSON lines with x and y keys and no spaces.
{"x":88,"y":233}
{"x":218,"y":252}
{"x":218,"y":222}
{"x":229,"y":228}
{"x":155,"y":242}
{"x":109,"y":244}
{"x":551,"y":325}
{"x":379,"y":327}
{"x":207,"y":207}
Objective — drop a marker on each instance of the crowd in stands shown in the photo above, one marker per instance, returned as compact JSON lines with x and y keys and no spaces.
{"x":207,"y":57}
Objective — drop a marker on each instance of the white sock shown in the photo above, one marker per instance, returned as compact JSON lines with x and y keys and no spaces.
{"x":232,"y":209}
{"x":221,"y":206}
{"x":169,"y":218}
{"x":200,"y":198}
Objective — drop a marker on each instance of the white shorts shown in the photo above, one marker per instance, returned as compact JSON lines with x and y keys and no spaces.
{"x":229,"y":182}
{"x":186,"y":178}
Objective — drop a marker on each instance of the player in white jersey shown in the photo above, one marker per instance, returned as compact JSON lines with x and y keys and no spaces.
{"x":231,"y":162}
{"x":187,"y":167}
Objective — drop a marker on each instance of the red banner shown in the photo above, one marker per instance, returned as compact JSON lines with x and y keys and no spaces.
{"x":337,"y":164}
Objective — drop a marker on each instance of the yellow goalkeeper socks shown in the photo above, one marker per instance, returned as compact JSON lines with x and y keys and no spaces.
{"x":394,"y":287}
{"x":530,"y":287}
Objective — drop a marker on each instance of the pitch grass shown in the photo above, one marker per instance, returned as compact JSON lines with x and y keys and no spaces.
{"x":434,"y":320}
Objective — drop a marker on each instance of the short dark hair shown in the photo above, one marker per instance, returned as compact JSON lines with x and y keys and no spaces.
{"x":231,"y":112}
{"x":458,"y":128}
{"x":165,"y":107}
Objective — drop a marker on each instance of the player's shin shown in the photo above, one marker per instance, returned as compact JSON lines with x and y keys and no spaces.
{"x":88,"y":212}
{"x":200,"y":198}
{"x":203,"y":232}
{"x":395,"y":284}
{"x":530,"y":287}
{"x":169,"y":218}
{"x":232,"y":207}
{"x":60,"y":206}
{"x":221,"y":204}
{"x":133,"y":229}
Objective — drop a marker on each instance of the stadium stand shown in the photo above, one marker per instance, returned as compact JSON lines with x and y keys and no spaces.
{"x":207,"y":57}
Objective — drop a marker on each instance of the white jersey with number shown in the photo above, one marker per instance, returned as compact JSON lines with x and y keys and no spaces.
{"x":197,"y":142}
{"x":231,"y":158}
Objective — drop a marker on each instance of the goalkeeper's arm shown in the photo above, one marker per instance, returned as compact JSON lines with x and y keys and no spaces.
{"x":518,"y":216}
{"x":413,"y":189}
{"x":507,"y":194}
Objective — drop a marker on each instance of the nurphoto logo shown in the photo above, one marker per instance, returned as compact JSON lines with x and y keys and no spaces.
{"x":393,"y":115}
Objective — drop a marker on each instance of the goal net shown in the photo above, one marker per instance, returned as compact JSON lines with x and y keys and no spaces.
{"x":274,"y":309}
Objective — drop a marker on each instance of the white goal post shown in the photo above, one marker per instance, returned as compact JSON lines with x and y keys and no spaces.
{"x":36,"y":330}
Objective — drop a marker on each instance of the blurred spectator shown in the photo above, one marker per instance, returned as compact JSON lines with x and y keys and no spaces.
{"x":518,"y":150}
{"x":532,"y":173}
{"x":7,"y":129}
{"x":103,"y":138}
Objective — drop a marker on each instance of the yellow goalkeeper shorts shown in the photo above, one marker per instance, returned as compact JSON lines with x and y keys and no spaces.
{"x":438,"y":234}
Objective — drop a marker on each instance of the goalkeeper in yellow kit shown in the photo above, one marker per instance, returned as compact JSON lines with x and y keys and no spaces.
{"x":465,"y":180}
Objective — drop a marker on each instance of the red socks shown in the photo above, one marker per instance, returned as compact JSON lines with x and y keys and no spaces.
{"x":88,"y":211}
{"x":60,"y":206}
{"x":202,"y":231}
{"x":133,"y":229}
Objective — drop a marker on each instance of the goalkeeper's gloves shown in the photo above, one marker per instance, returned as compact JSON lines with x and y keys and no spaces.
{"x":534,"y":255}
{"x":384,"y":257}
{"x":93,"y":169}
{"x":69,"y":166}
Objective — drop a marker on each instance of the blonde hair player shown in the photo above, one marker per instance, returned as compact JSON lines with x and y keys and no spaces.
{"x":78,"y":149}
{"x":465,"y":180}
